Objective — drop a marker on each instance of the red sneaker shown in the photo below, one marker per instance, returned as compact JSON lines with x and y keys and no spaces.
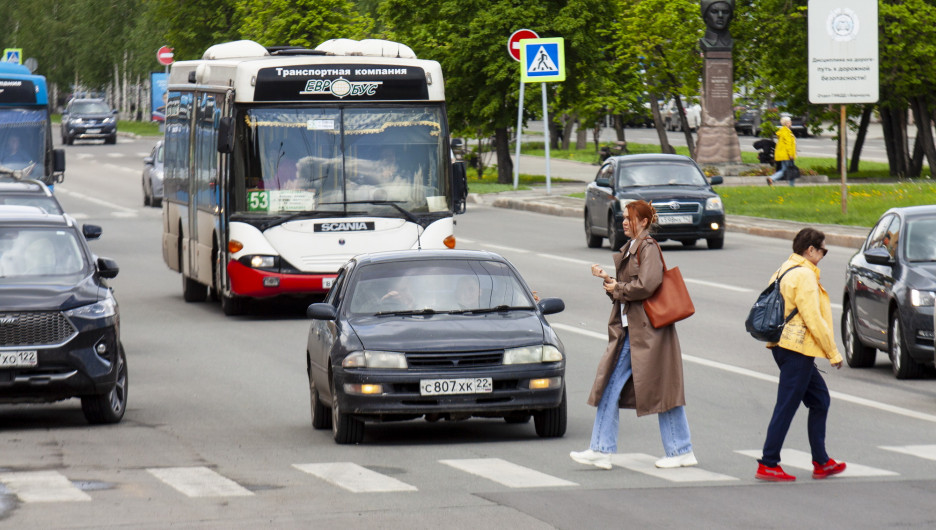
{"x":828,"y":469}
{"x":773,"y":474}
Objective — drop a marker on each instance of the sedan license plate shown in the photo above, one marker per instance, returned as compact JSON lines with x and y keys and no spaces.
{"x":93,"y":131}
{"x":675,"y":219}
{"x":18,"y":359}
{"x":440,"y":387}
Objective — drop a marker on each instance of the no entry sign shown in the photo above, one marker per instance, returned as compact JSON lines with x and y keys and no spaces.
{"x":513,"y":43}
{"x":164,"y":55}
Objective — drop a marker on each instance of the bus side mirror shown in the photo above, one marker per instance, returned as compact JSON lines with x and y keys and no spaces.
{"x":226,"y":135}
{"x":459,"y":187}
{"x":58,"y":160}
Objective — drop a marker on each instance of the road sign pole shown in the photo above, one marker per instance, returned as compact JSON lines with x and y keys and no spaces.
{"x":546,"y":135}
{"x":843,"y":157}
{"x":519,"y":138}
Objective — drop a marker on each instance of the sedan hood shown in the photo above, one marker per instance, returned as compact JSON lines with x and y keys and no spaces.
{"x":55,"y":295}
{"x":922,"y":276}
{"x":665,"y":193}
{"x":468,"y":332}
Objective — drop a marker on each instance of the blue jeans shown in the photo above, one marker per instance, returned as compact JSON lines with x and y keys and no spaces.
{"x":779,"y":174}
{"x":799,"y":382}
{"x":674,"y":427}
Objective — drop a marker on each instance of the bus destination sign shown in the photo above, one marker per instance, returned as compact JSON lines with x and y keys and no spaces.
{"x":341,"y":82}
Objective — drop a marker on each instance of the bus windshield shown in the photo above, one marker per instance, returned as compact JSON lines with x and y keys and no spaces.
{"x":22,"y":140}
{"x":325,"y":160}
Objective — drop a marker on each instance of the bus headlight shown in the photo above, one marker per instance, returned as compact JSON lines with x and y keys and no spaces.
{"x":260,"y":261}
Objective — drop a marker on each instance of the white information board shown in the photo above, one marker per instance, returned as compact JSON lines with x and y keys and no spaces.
{"x":843,"y":51}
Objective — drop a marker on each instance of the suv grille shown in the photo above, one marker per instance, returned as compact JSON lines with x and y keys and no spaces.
{"x":664,"y":208}
{"x":39,"y":328}
{"x":454,"y":359}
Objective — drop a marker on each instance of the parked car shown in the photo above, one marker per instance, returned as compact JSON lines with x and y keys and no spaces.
{"x":670,"y":113}
{"x":748,"y":120}
{"x":440,"y":334}
{"x":688,"y":208}
{"x":59,"y":320}
{"x":153,"y":174}
{"x":28,"y":193}
{"x":890,"y":289}
{"x":89,"y":119}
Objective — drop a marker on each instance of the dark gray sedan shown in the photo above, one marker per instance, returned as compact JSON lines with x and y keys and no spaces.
{"x":890,"y":289}
{"x":440,"y":334}
{"x":688,"y":209}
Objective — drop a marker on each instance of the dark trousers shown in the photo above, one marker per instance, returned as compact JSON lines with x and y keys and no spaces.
{"x":800,"y":381}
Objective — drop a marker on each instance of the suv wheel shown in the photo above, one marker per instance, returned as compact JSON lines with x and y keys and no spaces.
{"x":112,"y":139}
{"x":715,"y":243}
{"x":110,"y":406}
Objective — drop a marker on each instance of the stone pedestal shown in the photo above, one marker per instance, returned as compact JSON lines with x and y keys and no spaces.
{"x":717,"y":141}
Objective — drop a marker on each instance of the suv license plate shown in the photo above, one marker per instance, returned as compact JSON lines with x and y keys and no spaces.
{"x":18,"y":359}
{"x":675,"y":219}
{"x":438,"y":387}
{"x":93,"y":131}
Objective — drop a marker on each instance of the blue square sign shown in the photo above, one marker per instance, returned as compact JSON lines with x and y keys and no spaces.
{"x":542,"y":60}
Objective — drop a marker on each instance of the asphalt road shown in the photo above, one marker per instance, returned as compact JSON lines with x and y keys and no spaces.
{"x":218,"y":434}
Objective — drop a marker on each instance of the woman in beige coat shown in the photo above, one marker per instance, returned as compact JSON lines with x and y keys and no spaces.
{"x":642,"y":366}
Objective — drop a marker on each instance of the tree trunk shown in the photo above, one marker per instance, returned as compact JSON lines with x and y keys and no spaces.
{"x":555,"y":126}
{"x":596,"y":134}
{"x":924,"y":131}
{"x":619,"y":127}
{"x":568,"y":122}
{"x":502,"y":148}
{"x":480,"y":155}
{"x":684,"y":122}
{"x":581,"y":135}
{"x":665,"y":147}
{"x":887,"y":126}
{"x":916,"y":159}
{"x":859,"y":140}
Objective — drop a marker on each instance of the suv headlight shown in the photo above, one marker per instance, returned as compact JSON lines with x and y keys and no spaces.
{"x":375,"y":359}
{"x":109,"y":120}
{"x":103,"y":309}
{"x":543,"y":353}
{"x":714,"y":203}
{"x":922,"y":298}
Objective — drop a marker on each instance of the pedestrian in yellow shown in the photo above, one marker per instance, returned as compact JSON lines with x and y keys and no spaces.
{"x":785,"y":153}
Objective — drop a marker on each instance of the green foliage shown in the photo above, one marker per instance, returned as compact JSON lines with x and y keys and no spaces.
{"x":305,"y":23}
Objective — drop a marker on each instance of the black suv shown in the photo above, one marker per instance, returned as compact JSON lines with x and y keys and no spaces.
{"x":688,"y":209}
{"x":59,"y":321}
{"x":89,"y":119}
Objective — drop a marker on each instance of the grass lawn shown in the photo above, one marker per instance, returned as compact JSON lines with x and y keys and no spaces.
{"x":489,"y":184}
{"x":822,"y":204}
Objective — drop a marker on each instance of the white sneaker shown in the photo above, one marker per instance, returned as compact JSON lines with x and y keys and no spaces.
{"x":592,"y":458}
{"x":684,"y":460}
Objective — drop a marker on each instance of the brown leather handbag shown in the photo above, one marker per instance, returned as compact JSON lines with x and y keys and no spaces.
{"x":671,"y":302}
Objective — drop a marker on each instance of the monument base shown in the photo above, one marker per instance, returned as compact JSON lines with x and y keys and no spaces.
{"x":717,"y":144}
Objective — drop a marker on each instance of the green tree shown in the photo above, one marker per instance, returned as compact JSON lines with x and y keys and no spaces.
{"x":305,"y":23}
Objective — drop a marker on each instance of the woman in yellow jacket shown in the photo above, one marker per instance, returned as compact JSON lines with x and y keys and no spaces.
{"x":785,"y":153}
{"x":807,"y":336}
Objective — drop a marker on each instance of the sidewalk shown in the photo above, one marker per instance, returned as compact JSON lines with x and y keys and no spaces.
{"x":559,"y":203}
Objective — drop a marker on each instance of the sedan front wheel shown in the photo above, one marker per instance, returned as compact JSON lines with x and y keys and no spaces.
{"x":346,"y":429}
{"x":903,"y":365}
{"x":551,"y":423}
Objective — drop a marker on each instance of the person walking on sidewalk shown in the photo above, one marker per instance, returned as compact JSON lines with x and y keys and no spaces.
{"x":642,"y":366}
{"x":807,"y":336}
{"x":784,"y":153}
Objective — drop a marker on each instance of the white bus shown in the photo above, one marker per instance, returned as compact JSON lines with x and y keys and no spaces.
{"x":283,"y":163}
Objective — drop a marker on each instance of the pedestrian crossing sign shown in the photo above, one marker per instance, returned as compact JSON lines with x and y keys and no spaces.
{"x":13,"y":55}
{"x":542,"y":60}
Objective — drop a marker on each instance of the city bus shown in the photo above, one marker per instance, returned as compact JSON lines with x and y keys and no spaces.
{"x":283,"y":163}
{"x":26,"y":128}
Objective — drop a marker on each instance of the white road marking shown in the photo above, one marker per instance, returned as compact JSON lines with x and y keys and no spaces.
{"x":803,"y":460}
{"x":144,"y":155}
{"x":856,"y":400}
{"x":199,"y":482}
{"x":125,"y":169}
{"x":83,"y":156}
{"x":563,"y":258}
{"x":115,"y":155}
{"x":507,"y":473}
{"x":643,"y":463}
{"x":95,"y":200}
{"x":354,"y":478}
{"x":42,"y":486}
{"x":507,"y":249}
{"x":920,"y":451}
{"x":463,"y":240}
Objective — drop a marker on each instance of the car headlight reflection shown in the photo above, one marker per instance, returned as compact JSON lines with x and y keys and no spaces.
{"x":922,"y":298}
{"x":103,"y":309}
{"x":375,"y":359}
{"x":542,"y":353}
{"x":714,"y":203}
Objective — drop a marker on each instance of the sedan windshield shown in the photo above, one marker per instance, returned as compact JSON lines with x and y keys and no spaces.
{"x":443,"y":286}
{"x":659,"y":174}
{"x":322,"y":159}
{"x":921,"y":239}
{"x":39,"y":252}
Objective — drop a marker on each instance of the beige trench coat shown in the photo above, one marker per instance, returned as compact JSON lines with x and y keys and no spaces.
{"x":656,"y":384}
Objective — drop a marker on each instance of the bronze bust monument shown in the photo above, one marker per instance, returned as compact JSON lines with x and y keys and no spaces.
{"x":717,"y":15}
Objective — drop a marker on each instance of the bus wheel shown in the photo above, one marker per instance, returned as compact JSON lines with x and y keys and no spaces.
{"x":192,"y":291}
{"x":233,"y":305}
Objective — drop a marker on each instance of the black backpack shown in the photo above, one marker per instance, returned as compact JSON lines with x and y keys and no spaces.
{"x":765,"y":321}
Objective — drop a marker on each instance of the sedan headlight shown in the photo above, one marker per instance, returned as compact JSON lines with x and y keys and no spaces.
{"x":375,"y":359}
{"x":103,"y":309}
{"x":714,"y":203}
{"x":543,"y":353}
{"x":922,"y":298}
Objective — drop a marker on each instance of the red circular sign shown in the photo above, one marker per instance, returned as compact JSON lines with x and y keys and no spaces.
{"x":513,"y":43}
{"x":164,"y":55}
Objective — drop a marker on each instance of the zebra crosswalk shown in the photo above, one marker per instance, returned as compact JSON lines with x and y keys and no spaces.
{"x":46,"y":486}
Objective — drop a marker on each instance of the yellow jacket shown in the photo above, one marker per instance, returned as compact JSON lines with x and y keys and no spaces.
{"x":810,"y":332}
{"x":786,"y":145}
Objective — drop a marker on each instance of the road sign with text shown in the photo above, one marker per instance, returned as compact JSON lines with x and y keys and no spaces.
{"x":843,"y":51}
